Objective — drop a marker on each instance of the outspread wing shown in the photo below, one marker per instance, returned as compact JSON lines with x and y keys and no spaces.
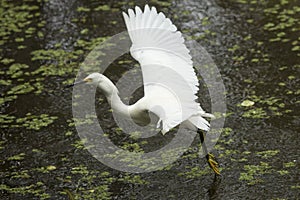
{"x":170,"y":83}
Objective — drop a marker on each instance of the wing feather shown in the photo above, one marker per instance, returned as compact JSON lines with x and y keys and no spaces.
{"x":170,"y":82}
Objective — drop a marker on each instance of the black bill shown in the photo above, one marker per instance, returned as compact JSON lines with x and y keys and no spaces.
{"x":76,"y":83}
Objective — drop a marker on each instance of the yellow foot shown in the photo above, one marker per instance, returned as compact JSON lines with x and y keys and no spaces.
{"x":213,"y":163}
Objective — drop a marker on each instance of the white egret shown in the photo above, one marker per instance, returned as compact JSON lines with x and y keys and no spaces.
{"x":170,"y":82}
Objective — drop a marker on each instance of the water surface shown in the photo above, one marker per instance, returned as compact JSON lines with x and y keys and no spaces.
{"x":256,"y":46}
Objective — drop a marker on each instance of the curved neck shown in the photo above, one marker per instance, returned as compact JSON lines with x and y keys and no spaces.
{"x":116,"y":103}
{"x":111,"y":93}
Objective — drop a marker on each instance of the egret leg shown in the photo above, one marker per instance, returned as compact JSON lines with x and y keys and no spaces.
{"x":209,"y":157}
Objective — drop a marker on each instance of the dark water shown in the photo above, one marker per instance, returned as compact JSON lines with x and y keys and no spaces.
{"x":256,"y":46}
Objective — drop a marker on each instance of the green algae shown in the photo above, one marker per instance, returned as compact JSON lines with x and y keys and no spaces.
{"x":295,"y":187}
{"x":103,"y":8}
{"x":255,"y":113}
{"x":15,"y":19}
{"x":268,"y":153}
{"x":21,"y":89}
{"x":283,"y":172}
{"x":195,"y":172}
{"x":2,"y":145}
{"x":247,"y":103}
{"x":161,"y":3}
{"x":46,"y":169}
{"x":83,"y":9}
{"x":86,"y":189}
{"x":289,"y":164}
{"x":33,"y":189}
{"x":6,"y":99}
{"x":30,"y":121}
{"x":35,"y":122}
{"x":264,"y":107}
{"x":254,"y":173}
{"x":17,"y":157}
{"x":24,"y":174}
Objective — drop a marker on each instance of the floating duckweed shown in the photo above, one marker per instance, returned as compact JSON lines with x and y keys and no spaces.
{"x":226,"y":131}
{"x":19,"y":39}
{"x":79,"y":144}
{"x":60,"y":57}
{"x":283,"y":172}
{"x":86,"y":189}
{"x":102,"y":8}
{"x":89,"y":45}
{"x":7,"y":99}
{"x":268,"y":153}
{"x":40,"y":34}
{"x":274,"y":39}
{"x":84,"y":31}
{"x":22,"y":47}
{"x":250,"y":21}
{"x":161,"y":3}
{"x":255,"y":113}
{"x":41,"y":24}
{"x":34,"y":122}
{"x":248,"y":37}
{"x":264,"y":105}
{"x":132,"y":147}
{"x":296,"y":48}
{"x":283,"y":68}
{"x":50,"y":167}
{"x":15,"y":70}
{"x":254,"y":60}
{"x":6,"y":119}
{"x":34,"y":189}
{"x":83,"y":9}
{"x":239,"y":58}
{"x":228,"y":151}
{"x":247,"y":103}
{"x":21,"y":89}
{"x":247,"y":152}
{"x":195,"y":172}
{"x":7,"y":61}
{"x":269,"y":25}
{"x":248,"y":81}
{"x":253,"y":172}
{"x":295,"y":187}
{"x":46,"y":169}
{"x":234,"y":48}
{"x":68,"y":133}
{"x":17,"y":19}
{"x":30,"y":30}
{"x":205,"y":21}
{"x":17,"y":157}
{"x":20,"y":174}
{"x":1,"y":145}
{"x":133,"y":179}
{"x":79,"y":170}
{"x":289,"y":164}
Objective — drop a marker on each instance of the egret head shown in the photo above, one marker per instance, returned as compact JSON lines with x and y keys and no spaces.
{"x":94,"y":79}
{"x":99,"y":80}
